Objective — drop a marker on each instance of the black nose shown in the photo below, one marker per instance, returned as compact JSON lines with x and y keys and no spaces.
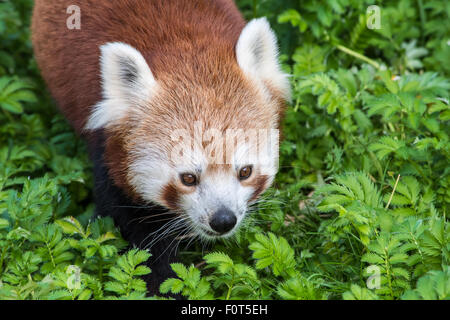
{"x":223,"y":220}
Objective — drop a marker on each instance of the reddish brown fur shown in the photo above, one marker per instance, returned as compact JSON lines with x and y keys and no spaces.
{"x":259,"y":184}
{"x":190,"y":48}
{"x":171,"y":196}
{"x":170,"y":34}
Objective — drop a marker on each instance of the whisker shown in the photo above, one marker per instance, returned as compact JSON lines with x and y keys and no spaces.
{"x":153,"y":216}
{"x":186,"y":236}
{"x":159,"y":220}
{"x":176,"y":225}
{"x":188,"y":232}
{"x":154,"y":232}
{"x":170,"y":244}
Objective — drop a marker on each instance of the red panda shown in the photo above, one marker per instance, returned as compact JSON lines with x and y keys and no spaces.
{"x":136,"y":80}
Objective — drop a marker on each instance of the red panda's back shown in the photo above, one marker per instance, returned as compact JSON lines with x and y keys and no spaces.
{"x":168,"y":33}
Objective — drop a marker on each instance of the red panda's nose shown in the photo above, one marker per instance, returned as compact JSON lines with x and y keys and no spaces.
{"x":223,"y":220}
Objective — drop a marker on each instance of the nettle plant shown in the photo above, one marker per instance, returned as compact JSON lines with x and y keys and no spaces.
{"x":360,"y":206}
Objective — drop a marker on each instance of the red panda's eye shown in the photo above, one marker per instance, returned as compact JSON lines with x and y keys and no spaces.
{"x":188,"y":179}
{"x":245,"y":173}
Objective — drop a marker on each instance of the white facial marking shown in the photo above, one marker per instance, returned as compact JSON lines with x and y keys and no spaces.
{"x":149,"y":173}
{"x":217,"y":190}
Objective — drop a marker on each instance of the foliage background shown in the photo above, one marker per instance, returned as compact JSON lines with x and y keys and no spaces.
{"x":363,"y":185}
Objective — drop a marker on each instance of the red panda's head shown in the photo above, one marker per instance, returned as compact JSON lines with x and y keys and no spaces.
{"x":200,"y":136}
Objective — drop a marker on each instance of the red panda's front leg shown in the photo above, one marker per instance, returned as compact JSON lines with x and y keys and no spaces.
{"x":134,"y":220}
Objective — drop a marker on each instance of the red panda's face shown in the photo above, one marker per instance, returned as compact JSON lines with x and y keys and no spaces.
{"x":201,"y":141}
{"x":210,"y":181}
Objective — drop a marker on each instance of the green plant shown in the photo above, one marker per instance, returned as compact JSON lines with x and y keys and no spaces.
{"x":359,"y":208}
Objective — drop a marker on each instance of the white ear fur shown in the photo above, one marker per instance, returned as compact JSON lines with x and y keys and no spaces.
{"x":257,"y":55}
{"x":127,"y":81}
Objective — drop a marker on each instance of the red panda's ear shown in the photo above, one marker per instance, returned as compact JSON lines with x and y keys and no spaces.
{"x":127,"y":82}
{"x":257,"y":55}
